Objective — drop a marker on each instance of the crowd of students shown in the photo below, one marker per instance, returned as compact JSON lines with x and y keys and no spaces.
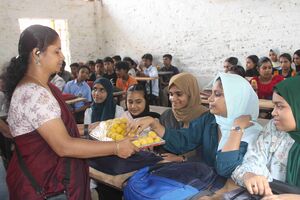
{"x":225,"y":136}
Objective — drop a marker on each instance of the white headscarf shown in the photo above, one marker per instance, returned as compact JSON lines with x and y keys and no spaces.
{"x":240,"y":100}
{"x":276,"y":51}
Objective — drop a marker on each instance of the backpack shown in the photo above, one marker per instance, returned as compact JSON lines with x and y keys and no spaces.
{"x":173,"y":181}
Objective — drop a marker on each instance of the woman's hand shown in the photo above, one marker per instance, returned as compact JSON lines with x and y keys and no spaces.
{"x":125,"y":148}
{"x":243,"y":121}
{"x":172,"y":157}
{"x":256,"y":184}
{"x":139,"y":124}
{"x":282,"y":197}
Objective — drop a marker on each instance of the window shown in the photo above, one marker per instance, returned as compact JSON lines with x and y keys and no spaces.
{"x":59,"y":25}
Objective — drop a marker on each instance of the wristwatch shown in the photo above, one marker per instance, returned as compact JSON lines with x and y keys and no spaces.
{"x":237,"y":129}
{"x":85,"y":129}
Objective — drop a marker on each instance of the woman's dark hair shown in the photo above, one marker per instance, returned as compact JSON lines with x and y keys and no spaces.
{"x":287,"y":56}
{"x":232,"y":60}
{"x":35,"y":36}
{"x":239,"y":70}
{"x":263,"y":60}
{"x":297,"y":52}
{"x":139,"y":88}
{"x":254,"y":59}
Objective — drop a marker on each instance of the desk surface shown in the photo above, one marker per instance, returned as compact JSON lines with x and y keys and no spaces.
{"x":78,"y":99}
{"x":161,"y":73}
{"x":142,"y":78}
{"x":263,"y":104}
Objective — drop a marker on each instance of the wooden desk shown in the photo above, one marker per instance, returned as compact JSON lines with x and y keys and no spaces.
{"x":158,"y":109}
{"x":76,"y":100}
{"x":161,"y":73}
{"x":144,"y":78}
{"x":266,"y":105}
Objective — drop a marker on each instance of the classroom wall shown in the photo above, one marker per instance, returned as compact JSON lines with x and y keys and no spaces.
{"x":83,"y":23}
{"x":200,"y":34}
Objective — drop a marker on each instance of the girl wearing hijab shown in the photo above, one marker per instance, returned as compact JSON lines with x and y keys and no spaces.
{"x":232,"y":104}
{"x":137,"y":103}
{"x":274,"y":57}
{"x":103,"y":107}
{"x":276,"y":154}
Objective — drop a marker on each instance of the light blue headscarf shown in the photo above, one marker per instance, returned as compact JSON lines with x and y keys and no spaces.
{"x":240,"y":100}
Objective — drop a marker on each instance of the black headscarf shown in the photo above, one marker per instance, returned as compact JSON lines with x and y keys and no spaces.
{"x":105,"y":110}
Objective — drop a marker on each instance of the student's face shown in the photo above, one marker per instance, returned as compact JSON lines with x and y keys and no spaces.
{"x":283,"y":116}
{"x":178,"y":98}
{"x":166,"y":61}
{"x":227,"y":66}
{"x":147,"y":63}
{"x":109,"y":66}
{"x":92,"y":68}
{"x":83,"y":74}
{"x":136,"y":102}
{"x":296,"y":59}
{"x":284,"y":63}
{"x":99,"y":68}
{"x":265,"y":70}
{"x":217,"y":104}
{"x":121,"y":73}
{"x":52,"y":58}
{"x":74,"y":70}
{"x":273,"y":56}
{"x":249,"y":64}
{"x":99,"y":93}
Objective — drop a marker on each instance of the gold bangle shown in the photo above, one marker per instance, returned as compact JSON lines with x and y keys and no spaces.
{"x":117,"y":147}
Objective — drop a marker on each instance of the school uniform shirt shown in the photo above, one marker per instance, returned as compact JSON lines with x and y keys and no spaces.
{"x":112,"y":77}
{"x":152,"y":72}
{"x":124,"y":86}
{"x":58,"y":82}
{"x":291,"y":73}
{"x":80,"y":89}
{"x":268,"y":157}
{"x":265,"y":91}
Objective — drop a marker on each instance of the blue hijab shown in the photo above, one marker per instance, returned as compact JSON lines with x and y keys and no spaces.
{"x":240,"y":99}
{"x":105,"y":110}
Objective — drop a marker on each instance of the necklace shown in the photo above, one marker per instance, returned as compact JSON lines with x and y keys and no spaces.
{"x":38,"y":81}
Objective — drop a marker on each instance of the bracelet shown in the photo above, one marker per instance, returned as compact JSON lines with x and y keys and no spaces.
{"x":117,"y":148}
{"x":85,"y":129}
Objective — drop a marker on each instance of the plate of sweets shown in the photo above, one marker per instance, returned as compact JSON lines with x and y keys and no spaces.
{"x":115,"y":130}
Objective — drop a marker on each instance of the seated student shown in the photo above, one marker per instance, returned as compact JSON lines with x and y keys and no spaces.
{"x":132,"y":66}
{"x":64,"y":74}
{"x":296,"y":60}
{"x":150,"y":71}
{"x":80,"y":88}
{"x":237,"y":69}
{"x":103,"y":106}
{"x":137,"y":103}
{"x":110,"y":72}
{"x":58,"y":81}
{"x":92,"y":76}
{"x":223,"y":133}
{"x":276,"y":153}
{"x":273,"y":55}
{"x":229,"y":62}
{"x":264,"y":83}
{"x":124,"y":80}
{"x":99,"y":68}
{"x":286,"y":70}
{"x":251,"y":66}
{"x":164,"y":79}
{"x":116,"y":59}
{"x":74,"y":70}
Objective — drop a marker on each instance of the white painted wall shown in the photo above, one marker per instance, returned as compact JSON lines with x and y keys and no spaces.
{"x":82,"y":19}
{"x":200,"y":33}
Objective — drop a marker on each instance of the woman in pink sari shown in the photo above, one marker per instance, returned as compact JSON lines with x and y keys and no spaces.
{"x":44,"y":130}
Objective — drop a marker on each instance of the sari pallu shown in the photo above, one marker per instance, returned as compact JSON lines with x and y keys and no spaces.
{"x":46,"y":166}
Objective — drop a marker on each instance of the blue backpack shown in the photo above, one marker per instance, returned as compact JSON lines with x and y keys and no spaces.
{"x":173,"y":181}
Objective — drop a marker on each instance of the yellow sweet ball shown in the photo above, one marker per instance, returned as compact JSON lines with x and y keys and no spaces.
{"x":143,"y":141}
{"x":136,"y":143}
{"x":119,"y":129}
{"x":152,"y":134}
{"x":156,"y":139}
{"x":119,"y":137}
{"x":149,"y":140}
